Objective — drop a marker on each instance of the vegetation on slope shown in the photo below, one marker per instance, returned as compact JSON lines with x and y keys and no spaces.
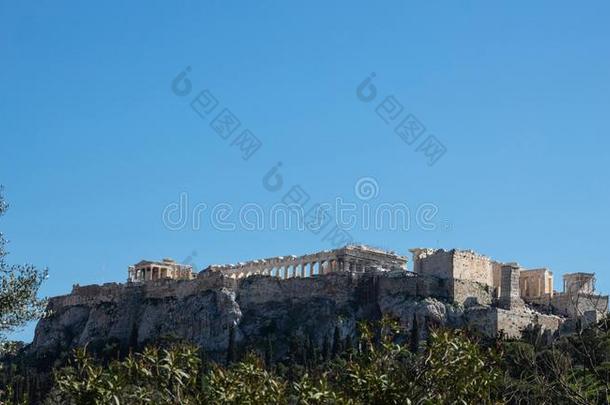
{"x":383,"y":366}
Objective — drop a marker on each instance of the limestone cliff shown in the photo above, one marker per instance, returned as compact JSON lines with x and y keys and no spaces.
{"x":258,"y":310}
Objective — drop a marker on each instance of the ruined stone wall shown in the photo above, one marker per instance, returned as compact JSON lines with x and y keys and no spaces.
{"x":510,"y":297}
{"x":437,"y":263}
{"x":578,"y":304}
{"x":492,"y":320}
{"x":496,"y":276}
{"x":483,"y":320}
{"x":91,"y":295}
{"x":468,"y":265}
{"x":470,"y":293}
{"x":405,"y":283}
{"x":115,"y":292}
{"x":512,"y":323}
{"x":432,"y":286}
{"x":455,"y":264}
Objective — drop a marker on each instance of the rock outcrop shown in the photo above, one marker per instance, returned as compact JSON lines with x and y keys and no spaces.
{"x":259,"y":310}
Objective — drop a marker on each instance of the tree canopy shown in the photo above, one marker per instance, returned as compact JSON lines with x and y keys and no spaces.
{"x":19,"y":285}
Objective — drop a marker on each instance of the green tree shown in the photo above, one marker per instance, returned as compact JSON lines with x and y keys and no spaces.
{"x":325,"y":349}
{"x":246,"y":382}
{"x":167,"y":376}
{"x":268,"y":352}
{"x":336,"y":347}
{"x":414,"y":335}
{"x":453,"y":368}
{"x":19,"y":285}
{"x":457,"y":369}
{"x":231,"y":349}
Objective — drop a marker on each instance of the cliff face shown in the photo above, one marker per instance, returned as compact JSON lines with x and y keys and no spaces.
{"x":255,"y":311}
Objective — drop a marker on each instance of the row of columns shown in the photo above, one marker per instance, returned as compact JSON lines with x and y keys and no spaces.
{"x":533,"y":286}
{"x":294,"y":269}
{"x":147,"y":273}
{"x":576,"y":283}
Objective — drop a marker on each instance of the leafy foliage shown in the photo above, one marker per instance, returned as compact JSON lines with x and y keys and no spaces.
{"x":152,"y":377}
{"x":246,"y":382}
{"x":379,"y":370}
{"x":19,"y":286}
{"x":452,"y":367}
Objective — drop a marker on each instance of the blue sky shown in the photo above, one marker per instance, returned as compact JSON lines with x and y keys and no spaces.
{"x":95,"y":144}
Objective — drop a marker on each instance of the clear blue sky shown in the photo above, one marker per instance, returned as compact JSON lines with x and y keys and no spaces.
{"x":94,"y":143}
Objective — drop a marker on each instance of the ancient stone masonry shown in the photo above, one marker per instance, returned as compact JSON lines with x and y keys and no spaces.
{"x":512,"y":285}
{"x":578,"y":300}
{"x":536,"y":283}
{"x":463,"y":276}
{"x":350,"y":258}
{"x":463,"y":265}
{"x":509,"y":295}
{"x":313,"y":295}
{"x":579,"y":283}
{"x":456,"y":264}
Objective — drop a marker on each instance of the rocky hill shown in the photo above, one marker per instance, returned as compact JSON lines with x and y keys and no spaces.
{"x":217,"y":312}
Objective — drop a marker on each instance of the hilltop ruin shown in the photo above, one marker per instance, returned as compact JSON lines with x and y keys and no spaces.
{"x":312,"y":295}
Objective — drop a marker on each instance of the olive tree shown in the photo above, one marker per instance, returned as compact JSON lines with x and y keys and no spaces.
{"x":19,"y":285}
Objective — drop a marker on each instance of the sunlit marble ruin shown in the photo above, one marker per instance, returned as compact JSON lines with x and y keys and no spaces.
{"x":147,"y":270}
{"x":320,"y":292}
{"x":511,"y":286}
{"x":349,"y":258}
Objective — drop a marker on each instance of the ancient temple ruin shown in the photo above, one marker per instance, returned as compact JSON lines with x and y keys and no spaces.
{"x":512,"y":285}
{"x":536,"y":283}
{"x":579,"y":283}
{"x":319,"y":292}
{"x":514,"y":295}
{"x":147,"y":270}
{"x":353,"y":258}
{"x":356,"y":258}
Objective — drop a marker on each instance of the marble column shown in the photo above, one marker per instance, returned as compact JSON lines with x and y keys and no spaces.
{"x":347,"y":265}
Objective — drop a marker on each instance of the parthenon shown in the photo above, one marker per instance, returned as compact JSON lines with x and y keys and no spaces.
{"x":354,"y":258}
